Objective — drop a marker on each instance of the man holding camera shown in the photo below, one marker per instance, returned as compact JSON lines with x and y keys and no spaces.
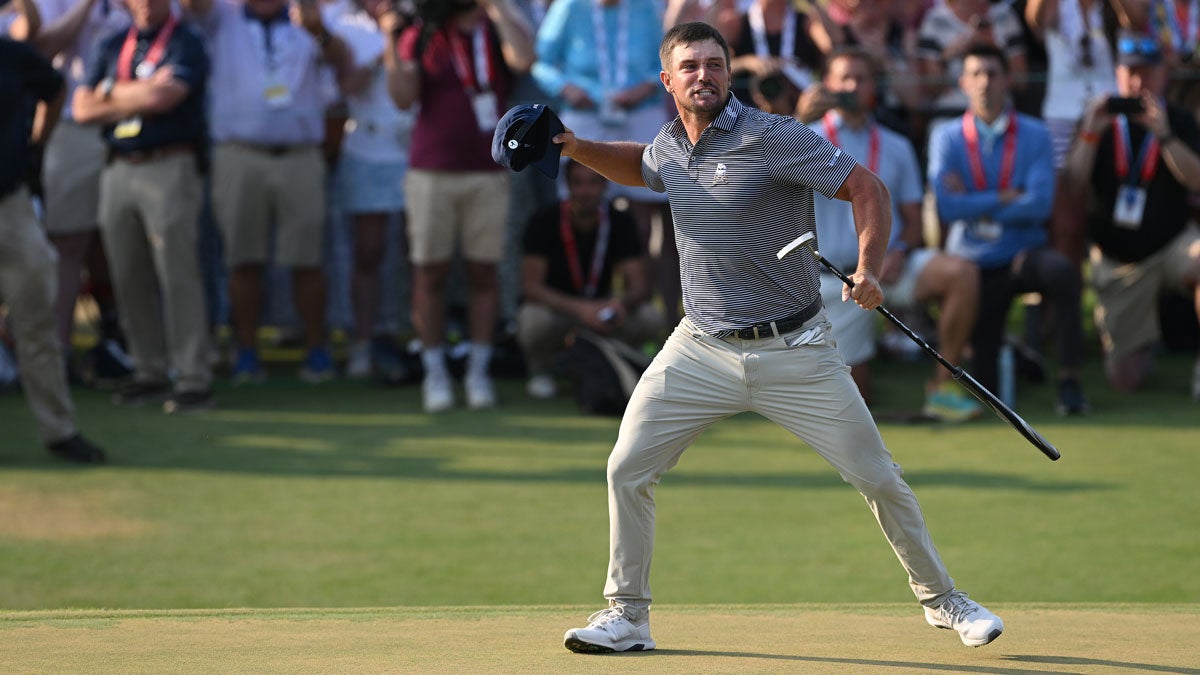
{"x":841,"y":110}
{"x":1137,"y":156}
{"x":573,"y":253}
{"x":457,"y":63}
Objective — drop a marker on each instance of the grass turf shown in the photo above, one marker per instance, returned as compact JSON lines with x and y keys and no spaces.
{"x":344,"y":495}
{"x":1093,"y":638}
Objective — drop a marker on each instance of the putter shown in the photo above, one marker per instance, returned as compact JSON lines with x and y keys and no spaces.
{"x":808,"y":240}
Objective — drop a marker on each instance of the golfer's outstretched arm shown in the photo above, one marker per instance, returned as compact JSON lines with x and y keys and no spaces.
{"x":618,"y":161}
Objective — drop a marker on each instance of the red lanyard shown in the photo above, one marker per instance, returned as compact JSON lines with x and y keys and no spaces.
{"x":1007,"y":161}
{"x":1122,"y":144}
{"x":831,"y":133}
{"x":572,"y":251}
{"x":479,"y":78}
{"x":153,"y":56}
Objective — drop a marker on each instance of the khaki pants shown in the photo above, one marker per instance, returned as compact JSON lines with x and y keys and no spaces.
{"x":28,"y":287}
{"x":697,"y":380}
{"x":149,"y":218}
{"x":541,"y":331}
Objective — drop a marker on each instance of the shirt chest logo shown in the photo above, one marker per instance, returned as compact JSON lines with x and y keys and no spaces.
{"x":721,"y":176}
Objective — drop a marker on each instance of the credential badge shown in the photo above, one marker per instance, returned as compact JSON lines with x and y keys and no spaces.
{"x":720,"y":177}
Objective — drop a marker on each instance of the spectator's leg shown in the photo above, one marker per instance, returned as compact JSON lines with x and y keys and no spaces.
{"x":995,"y":294}
{"x":1050,"y":273}
{"x":370,"y":231}
{"x":27,"y":285}
{"x":954,"y":283}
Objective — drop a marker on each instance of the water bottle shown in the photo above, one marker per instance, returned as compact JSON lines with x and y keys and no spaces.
{"x":1007,"y":368}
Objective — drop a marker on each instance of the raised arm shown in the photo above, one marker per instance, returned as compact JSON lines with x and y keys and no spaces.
{"x":1041,"y":15}
{"x":63,"y":31}
{"x":28,"y":22}
{"x":618,"y":161}
{"x":516,"y":35}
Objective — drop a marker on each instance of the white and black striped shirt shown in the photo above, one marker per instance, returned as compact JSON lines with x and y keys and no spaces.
{"x":737,"y":197}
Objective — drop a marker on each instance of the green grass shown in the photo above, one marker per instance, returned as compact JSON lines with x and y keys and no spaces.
{"x":344,"y":495}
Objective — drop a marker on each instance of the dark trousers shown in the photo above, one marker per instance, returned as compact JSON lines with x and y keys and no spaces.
{"x":1043,"y":270}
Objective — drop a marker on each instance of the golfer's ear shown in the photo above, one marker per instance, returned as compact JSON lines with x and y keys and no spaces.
{"x":665,"y":79}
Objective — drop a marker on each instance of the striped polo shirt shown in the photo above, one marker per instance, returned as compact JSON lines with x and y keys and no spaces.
{"x":743,"y":192}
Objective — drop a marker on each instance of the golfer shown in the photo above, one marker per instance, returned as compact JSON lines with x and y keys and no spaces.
{"x":755,"y":336}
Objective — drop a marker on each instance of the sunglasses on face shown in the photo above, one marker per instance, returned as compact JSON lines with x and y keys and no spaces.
{"x":1139,"y":46}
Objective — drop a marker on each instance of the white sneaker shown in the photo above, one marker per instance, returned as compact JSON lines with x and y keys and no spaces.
{"x":541,"y":387}
{"x":480,"y":393}
{"x":610,"y":631}
{"x":974,"y":623}
{"x":437,"y":393}
{"x":358,"y":361}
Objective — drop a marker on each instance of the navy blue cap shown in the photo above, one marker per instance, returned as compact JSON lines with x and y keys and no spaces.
{"x":523,"y":136}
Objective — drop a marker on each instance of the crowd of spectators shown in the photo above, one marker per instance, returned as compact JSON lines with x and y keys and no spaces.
{"x":292,"y":127}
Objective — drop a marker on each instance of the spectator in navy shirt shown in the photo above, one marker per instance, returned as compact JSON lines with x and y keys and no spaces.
{"x":146,"y":89}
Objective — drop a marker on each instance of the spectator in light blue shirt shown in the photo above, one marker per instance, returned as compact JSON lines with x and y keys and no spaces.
{"x":841,"y":109}
{"x":993,"y":173}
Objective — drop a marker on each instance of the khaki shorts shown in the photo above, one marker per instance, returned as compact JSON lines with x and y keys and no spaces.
{"x":71,"y":178}
{"x":446,"y":208}
{"x":1127,"y":293}
{"x":253,"y":189}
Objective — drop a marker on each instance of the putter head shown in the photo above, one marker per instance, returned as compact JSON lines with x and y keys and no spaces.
{"x":807,"y":239}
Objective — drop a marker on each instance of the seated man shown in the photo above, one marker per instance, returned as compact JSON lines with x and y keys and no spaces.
{"x":993,"y":173}
{"x":573,"y":252}
{"x":841,"y":109}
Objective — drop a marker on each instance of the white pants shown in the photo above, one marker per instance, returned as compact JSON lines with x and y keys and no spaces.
{"x":697,"y":380}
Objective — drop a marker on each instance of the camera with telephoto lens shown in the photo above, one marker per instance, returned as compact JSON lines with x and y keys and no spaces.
{"x":770,"y":86}
{"x":437,"y":12}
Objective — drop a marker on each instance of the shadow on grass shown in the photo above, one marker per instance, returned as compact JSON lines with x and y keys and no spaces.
{"x":910,"y":665}
{"x":865,"y":663}
{"x":1080,"y":661}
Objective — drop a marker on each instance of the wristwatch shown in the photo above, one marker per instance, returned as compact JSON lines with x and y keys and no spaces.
{"x":106,"y":88}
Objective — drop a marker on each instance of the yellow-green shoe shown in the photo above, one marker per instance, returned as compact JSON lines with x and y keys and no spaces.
{"x":950,"y":403}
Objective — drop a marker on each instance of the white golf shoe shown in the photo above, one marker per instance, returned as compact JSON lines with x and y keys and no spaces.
{"x":974,"y":623}
{"x":610,"y":631}
{"x":437,"y":393}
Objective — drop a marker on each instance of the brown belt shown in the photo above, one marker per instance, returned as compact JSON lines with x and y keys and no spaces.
{"x":152,"y":154}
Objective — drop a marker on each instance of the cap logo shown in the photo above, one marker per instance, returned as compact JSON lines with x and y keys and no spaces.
{"x":513,"y":144}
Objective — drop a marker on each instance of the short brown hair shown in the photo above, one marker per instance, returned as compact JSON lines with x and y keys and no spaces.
{"x":687,"y":34}
{"x":852,"y":52}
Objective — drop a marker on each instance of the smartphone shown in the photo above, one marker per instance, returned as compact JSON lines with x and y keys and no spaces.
{"x":1120,"y":105}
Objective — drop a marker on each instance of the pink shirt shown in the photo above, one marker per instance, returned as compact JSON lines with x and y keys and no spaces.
{"x":447,"y":136}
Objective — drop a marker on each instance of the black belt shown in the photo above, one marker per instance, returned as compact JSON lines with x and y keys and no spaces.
{"x":784,"y":325}
{"x":273,"y":149}
{"x":151,"y":154}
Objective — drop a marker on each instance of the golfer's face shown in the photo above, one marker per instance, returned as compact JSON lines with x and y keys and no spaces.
{"x":699,"y":77}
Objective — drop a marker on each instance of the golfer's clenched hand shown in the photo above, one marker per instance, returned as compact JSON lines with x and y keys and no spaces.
{"x":866,"y":292}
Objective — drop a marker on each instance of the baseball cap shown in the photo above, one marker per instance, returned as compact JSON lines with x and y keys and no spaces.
{"x":523,"y":136}
{"x":1138,"y":49}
